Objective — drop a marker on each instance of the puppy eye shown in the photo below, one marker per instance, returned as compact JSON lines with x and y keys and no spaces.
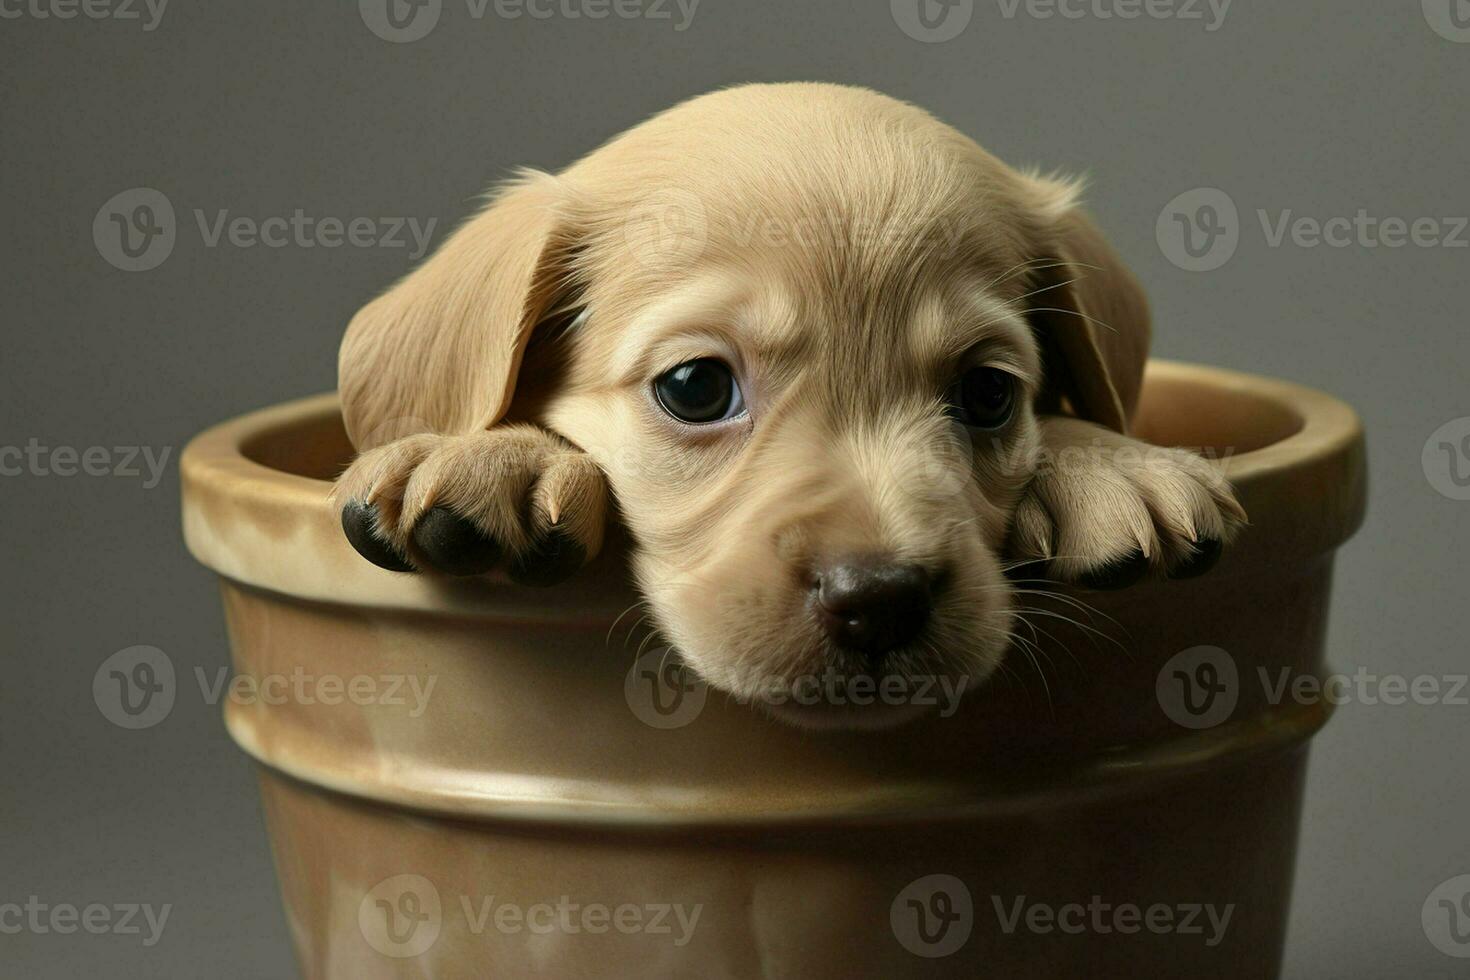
{"x":983,"y":398}
{"x":699,"y":392}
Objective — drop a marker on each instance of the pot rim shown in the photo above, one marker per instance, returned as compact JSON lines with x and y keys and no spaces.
{"x":267,"y":530}
{"x":265,"y":527}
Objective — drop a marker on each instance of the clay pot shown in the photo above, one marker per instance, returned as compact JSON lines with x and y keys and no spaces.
{"x":553,"y":806}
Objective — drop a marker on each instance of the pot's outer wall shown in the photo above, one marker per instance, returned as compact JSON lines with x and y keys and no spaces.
{"x":529,"y":772}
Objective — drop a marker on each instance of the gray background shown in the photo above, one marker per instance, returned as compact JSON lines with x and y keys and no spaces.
{"x":1322,"y":107}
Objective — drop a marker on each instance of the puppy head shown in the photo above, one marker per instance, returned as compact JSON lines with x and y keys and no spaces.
{"x":806,"y":330}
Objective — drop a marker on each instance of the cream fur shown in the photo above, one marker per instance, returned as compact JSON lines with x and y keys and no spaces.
{"x":847,"y":254}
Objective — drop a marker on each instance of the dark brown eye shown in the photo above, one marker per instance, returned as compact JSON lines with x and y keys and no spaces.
{"x":700,"y":392}
{"x":983,"y":398}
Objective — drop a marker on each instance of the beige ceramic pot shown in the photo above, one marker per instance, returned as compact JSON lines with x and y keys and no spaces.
{"x":551,"y":806}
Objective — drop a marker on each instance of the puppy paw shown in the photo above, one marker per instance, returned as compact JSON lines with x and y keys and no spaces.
{"x":1103,"y":510}
{"x":516,"y":497}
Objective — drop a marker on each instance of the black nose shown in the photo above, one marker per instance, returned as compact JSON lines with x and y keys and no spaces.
{"x":870,"y":607}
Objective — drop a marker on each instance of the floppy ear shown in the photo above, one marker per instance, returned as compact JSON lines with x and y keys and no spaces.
{"x":439,"y":352}
{"x":1091,"y":317}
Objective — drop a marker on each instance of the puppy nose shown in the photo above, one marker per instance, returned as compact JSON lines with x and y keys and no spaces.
{"x":869,"y":606}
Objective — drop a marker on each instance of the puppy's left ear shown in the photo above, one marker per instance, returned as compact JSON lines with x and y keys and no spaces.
{"x":441,"y":350}
{"x":1091,"y":315}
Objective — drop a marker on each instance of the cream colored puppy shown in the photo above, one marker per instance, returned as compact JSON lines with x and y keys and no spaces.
{"x":835,"y":363}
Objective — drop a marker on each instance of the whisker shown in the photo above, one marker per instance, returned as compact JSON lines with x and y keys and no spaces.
{"x":1035,"y":629}
{"x":1024,"y":648}
{"x":1028,"y":265}
{"x":1077,"y":313}
{"x":1069,"y":601}
{"x":608,"y":640}
{"x":1087,"y":630}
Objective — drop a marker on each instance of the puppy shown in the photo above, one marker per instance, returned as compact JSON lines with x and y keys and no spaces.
{"x":840,"y":369}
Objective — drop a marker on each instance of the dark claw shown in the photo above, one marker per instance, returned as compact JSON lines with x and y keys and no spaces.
{"x":551,"y":560}
{"x":358,"y":521}
{"x":453,"y":544}
{"x":1117,"y":574}
{"x":1206,"y":553}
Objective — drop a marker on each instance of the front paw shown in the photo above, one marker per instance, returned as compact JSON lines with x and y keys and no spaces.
{"x":516,"y":497}
{"x":1103,"y":511}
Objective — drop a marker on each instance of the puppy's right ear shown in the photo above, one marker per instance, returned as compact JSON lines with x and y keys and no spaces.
{"x":439,"y":352}
{"x":1090,"y":313}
